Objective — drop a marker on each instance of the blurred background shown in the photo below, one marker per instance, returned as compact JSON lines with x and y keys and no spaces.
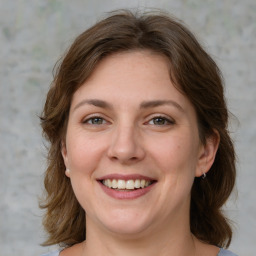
{"x":33,"y":36}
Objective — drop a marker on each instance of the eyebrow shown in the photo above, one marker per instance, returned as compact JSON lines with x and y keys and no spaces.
{"x":143,"y":105}
{"x":94,"y":102}
{"x":157,"y":103}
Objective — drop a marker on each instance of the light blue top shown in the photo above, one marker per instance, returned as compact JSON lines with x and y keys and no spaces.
{"x":222,"y":252}
{"x":56,"y":253}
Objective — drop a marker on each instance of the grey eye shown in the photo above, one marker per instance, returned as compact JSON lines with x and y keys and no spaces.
{"x":160,"y":121}
{"x":95,"y":121}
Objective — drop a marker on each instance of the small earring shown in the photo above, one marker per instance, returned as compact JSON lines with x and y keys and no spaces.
{"x":67,"y":172}
{"x":203,"y":176}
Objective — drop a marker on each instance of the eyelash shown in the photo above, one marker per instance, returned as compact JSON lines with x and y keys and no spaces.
{"x":90,"y":120}
{"x":167,"y":121}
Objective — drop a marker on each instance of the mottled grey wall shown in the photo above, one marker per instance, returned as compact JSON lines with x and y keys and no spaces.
{"x":33,"y":34}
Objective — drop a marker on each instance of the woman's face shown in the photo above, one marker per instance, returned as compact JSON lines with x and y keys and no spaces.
{"x":132,"y":146}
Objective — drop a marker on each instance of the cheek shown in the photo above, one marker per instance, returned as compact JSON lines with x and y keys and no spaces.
{"x":82,"y":150}
{"x":83,"y":157}
{"x":82,"y":188}
{"x":176,"y":153}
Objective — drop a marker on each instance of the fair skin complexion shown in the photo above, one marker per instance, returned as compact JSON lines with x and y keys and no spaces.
{"x":128,"y":122}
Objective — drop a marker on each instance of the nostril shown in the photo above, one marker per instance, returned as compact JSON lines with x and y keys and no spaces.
{"x":125,"y":150}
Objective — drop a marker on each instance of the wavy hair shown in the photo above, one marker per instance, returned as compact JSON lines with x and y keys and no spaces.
{"x":193,"y":72}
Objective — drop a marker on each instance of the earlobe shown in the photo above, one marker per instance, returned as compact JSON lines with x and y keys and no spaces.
{"x":65,"y":158}
{"x":64,"y":153}
{"x":67,"y":172}
{"x":207,"y":154}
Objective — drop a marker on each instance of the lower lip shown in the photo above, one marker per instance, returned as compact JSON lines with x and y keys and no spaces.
{"x":129,"y":194}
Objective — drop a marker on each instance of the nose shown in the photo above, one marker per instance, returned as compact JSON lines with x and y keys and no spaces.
{"x":126,"y":145}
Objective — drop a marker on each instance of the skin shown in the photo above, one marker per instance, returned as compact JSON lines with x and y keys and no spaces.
{"x":123,"y":132}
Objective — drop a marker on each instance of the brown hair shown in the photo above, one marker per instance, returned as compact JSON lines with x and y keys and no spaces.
{"x":192,"y":70}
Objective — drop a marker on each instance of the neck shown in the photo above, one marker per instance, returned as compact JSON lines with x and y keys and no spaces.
{"x":172,"y":241}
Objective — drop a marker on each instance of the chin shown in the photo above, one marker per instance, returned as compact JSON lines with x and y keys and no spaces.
{"x":126,"y":223}
{"x":127,"y":230}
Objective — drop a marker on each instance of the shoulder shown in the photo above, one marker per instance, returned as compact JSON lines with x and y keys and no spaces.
{"x":55,"y":253}
{"x":224,"y":252}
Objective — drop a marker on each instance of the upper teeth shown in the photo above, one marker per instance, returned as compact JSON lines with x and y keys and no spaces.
{"x":129,"y":184}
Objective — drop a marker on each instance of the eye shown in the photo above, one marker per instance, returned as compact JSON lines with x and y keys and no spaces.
{"x":159,"y":121}
{"x":95,"y":120}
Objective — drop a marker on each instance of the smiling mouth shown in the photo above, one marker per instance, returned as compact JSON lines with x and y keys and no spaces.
{"x":126,"y":185}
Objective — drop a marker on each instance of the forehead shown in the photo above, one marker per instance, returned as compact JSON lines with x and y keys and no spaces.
{"x":126,"y":66}
{"x":136,"y":61}
{"x":143,"y":75}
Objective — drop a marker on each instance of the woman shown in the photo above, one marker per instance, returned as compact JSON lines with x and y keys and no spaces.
{"x":140,"y":159}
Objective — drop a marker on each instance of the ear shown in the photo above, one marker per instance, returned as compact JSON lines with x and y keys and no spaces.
{"x":65,"y":157}
{"x":207,"y":153}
